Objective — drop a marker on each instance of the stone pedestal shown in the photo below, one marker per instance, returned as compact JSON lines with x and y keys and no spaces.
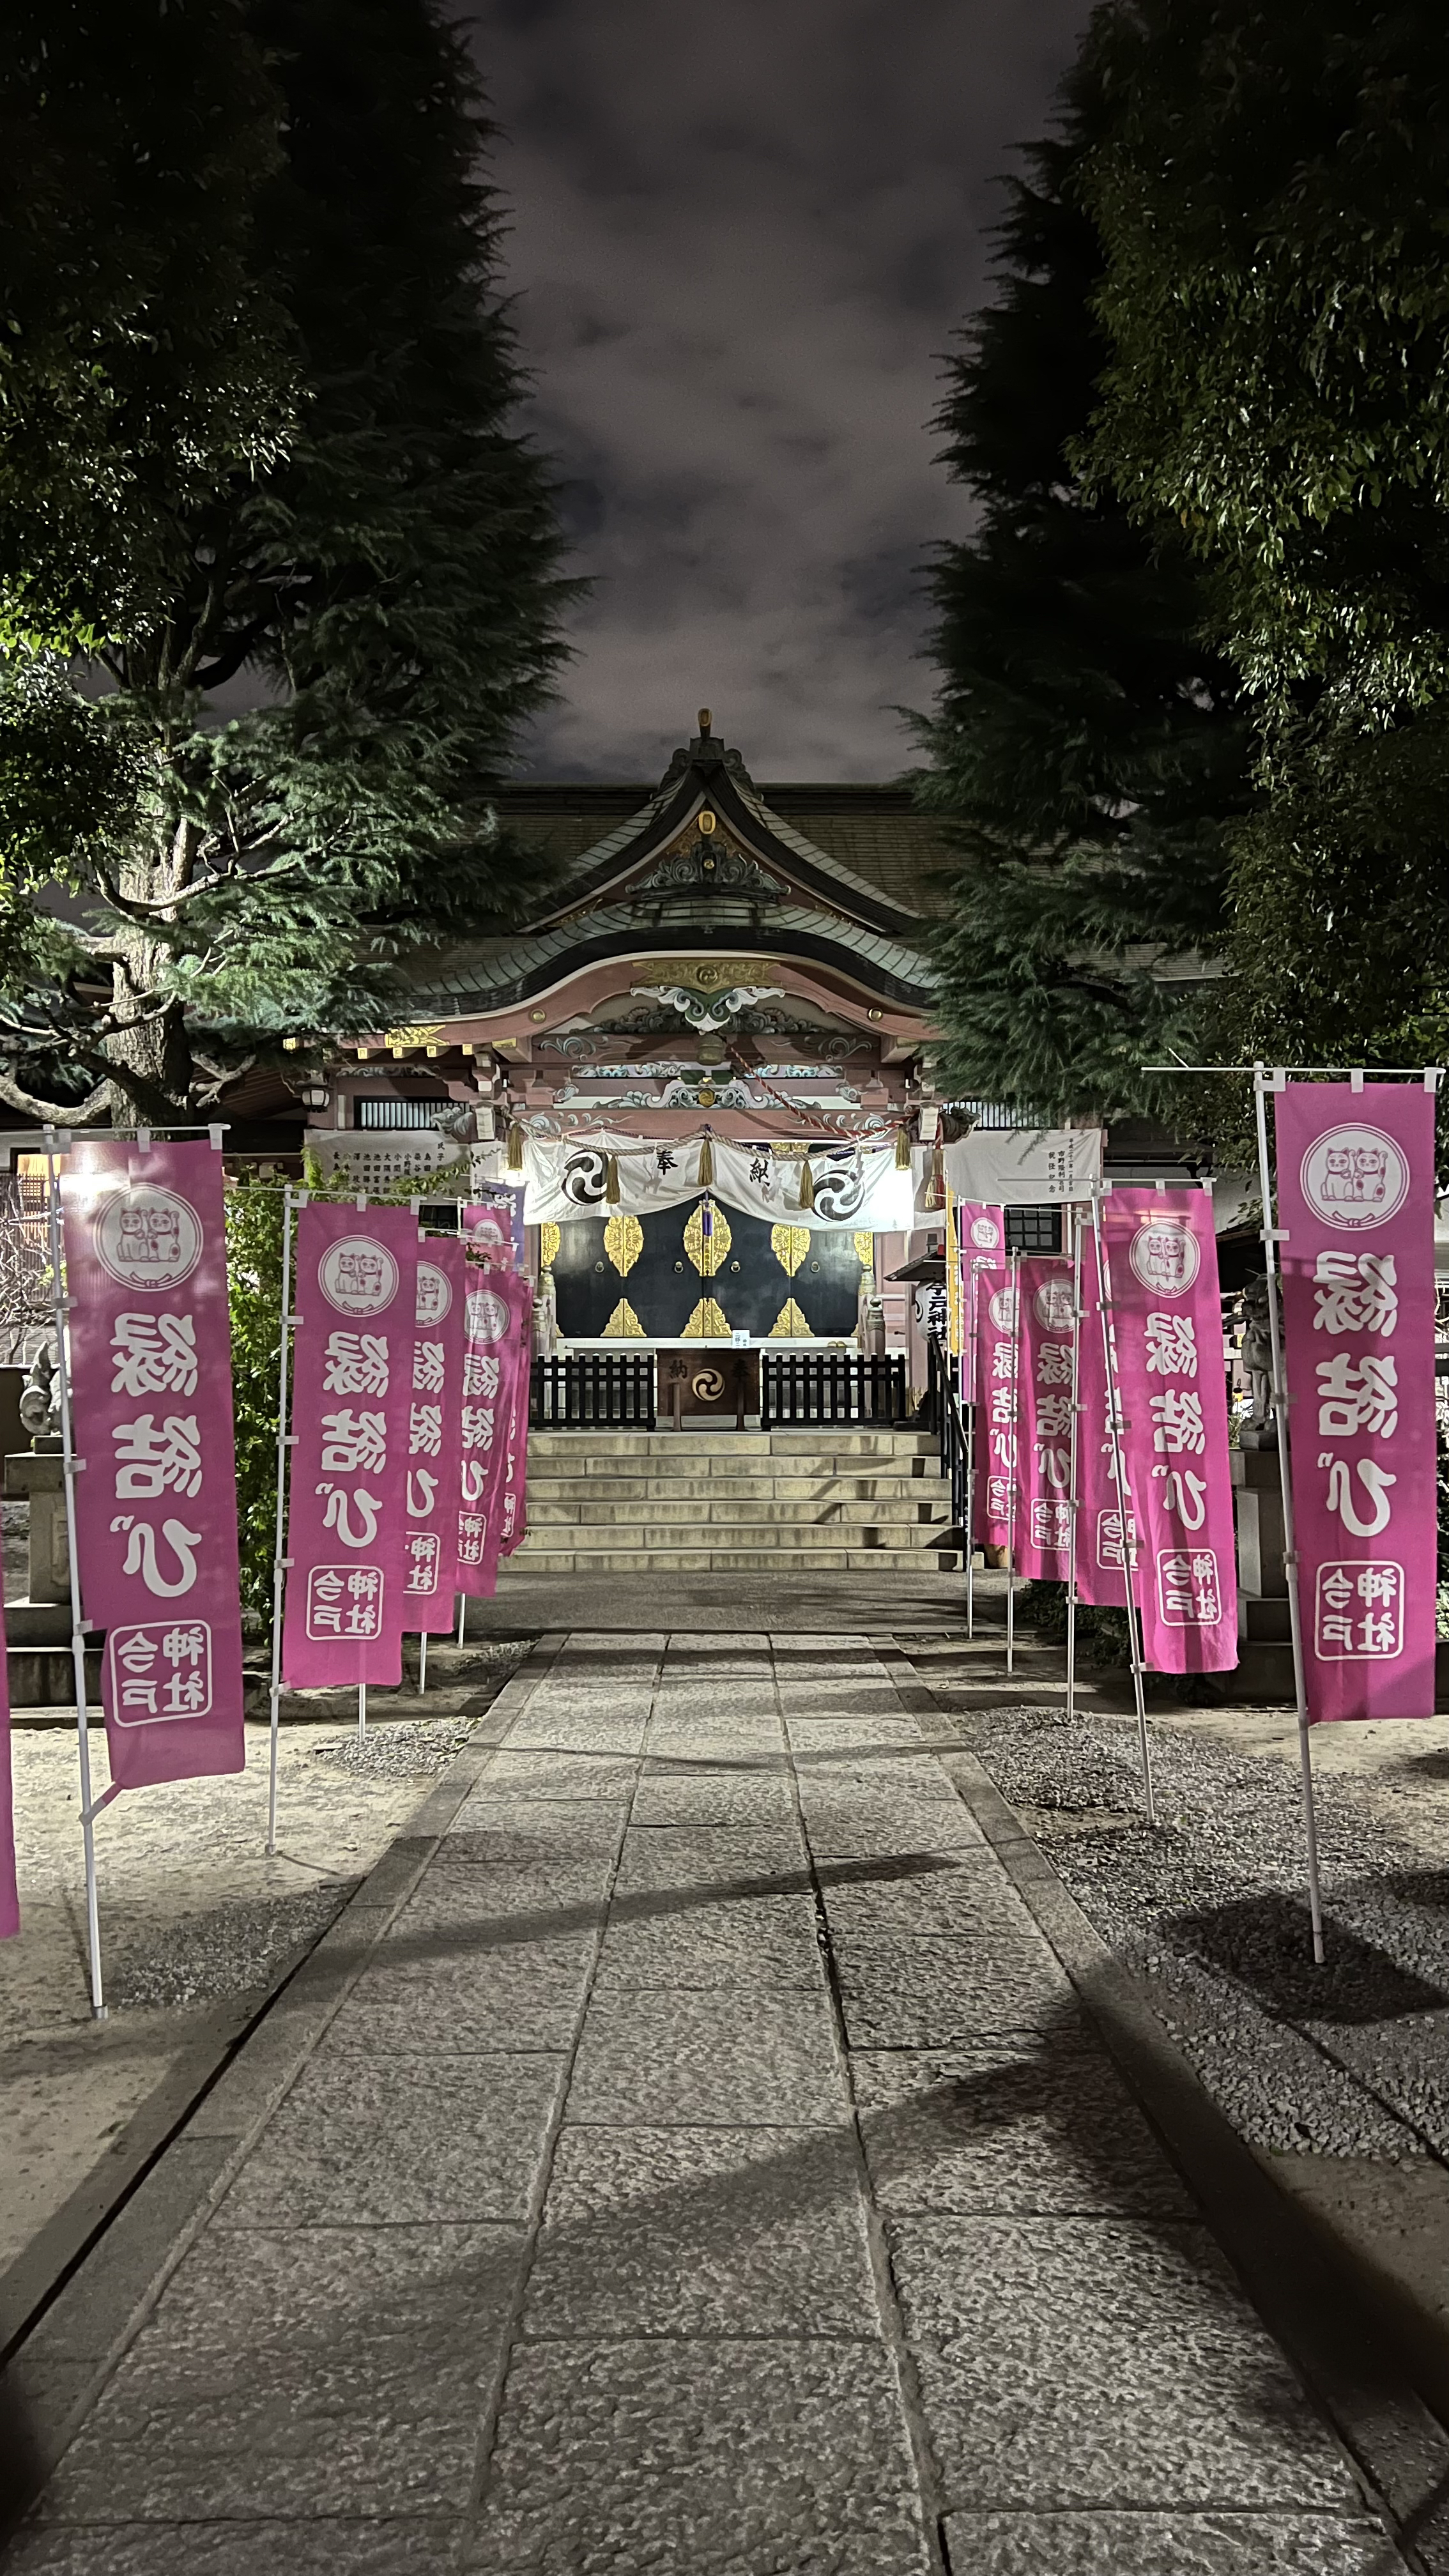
{"x":37,"y":1629}
{"x":1265,"y":1650}
{"x":37,"y":1475}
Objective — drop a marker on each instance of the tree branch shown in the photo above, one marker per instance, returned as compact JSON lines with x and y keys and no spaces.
{"x":54,"y":1113}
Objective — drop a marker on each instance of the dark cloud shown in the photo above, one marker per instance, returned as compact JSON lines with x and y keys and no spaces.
{"x":742,"y":237}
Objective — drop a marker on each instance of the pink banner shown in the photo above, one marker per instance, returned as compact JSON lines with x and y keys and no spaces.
{"x":998,"y":1403}
{"x":1043,"y":1507}
{"x":1100,"y":1578}
{"x":497,"y":1310}
{"x":513,"y":1518}
{"x":981,"y":1235}
{"x":150,"y":1363}
{"x":356,"y":1295}
{"x":9,"y":1889}
{"x":493,"y":1230}
{"x":435,"y":1436}
{"x":1356,"y":1202}
{"x":1168,"y":1337}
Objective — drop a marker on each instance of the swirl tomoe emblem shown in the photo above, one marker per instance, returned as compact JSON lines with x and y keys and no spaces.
{"x":839,"y":1191}
{"x":585,"y":1178}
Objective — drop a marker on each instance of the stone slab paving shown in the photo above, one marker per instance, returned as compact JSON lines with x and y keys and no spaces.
{"x":709,"y":2172}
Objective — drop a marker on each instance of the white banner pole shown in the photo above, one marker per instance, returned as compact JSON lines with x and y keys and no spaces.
{"x":462,"y":1614}
{"x":70,"y":1467}
{"x":361,"y":1712}
{"x":1073,"y":1501}
{"x":1119,"y":1479}
{"x":1015,"y":1438}
{"x":279,"y":1557}
{"x":971,"y":1463}
{"x":1263,"y":1083}
{"x":422,"y":1661}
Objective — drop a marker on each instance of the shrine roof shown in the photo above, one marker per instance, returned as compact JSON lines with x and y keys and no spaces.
{"x":871,"y":838}
{"x":493,"y":974}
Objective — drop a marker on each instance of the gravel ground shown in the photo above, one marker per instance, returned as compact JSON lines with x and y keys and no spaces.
{"x":396,"y":1752}
{"x":1350,"y":2059}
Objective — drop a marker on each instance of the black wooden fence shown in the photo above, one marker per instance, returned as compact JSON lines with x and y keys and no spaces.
{"x":594,"y":1390}
{"x":806,"y":1387}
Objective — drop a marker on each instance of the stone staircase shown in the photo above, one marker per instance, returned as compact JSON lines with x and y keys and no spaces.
{"x":818,"y":1501}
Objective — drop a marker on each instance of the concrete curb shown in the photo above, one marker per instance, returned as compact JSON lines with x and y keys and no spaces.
{"x":1318,"y":2302}
{"x":136,"y":2215}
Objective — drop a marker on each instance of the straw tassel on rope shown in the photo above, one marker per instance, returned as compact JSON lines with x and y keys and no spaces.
{"x":515,"y":1147}
{"x":705,"y":1174}
{"x":611,"y":1180}
{"x":807,"y":1181}
{"x":903,"y":1149}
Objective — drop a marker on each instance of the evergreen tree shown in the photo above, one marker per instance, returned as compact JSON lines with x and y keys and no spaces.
{"x":385,"y":583}
{"x":1086,"y":748}
{"x":1270,"y":188}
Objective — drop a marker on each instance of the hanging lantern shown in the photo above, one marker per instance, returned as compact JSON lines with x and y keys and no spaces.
{"x":515,"y":1147}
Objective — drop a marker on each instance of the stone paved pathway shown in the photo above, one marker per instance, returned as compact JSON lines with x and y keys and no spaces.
{"x":710,"y":2174}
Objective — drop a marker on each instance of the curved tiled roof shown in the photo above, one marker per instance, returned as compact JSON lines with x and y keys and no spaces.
{"x":873,"y":834}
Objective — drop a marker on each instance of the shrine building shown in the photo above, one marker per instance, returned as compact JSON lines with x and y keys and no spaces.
{"x":723,"y":983}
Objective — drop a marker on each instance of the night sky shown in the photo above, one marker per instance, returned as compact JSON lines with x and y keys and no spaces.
{"x":741,"y":238}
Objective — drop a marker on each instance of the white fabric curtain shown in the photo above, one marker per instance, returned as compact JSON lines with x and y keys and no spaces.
{"x":854,"y":1186}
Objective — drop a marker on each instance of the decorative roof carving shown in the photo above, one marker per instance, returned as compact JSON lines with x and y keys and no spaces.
{"x":707,"y":867}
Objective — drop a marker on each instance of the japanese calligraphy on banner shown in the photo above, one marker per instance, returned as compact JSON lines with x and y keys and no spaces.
{"x":1168,"y":1339}
{"x":1100,"y":1577}
{"x":9,"y":1891}
{"x":497,"y":1308}
{"x":1356,"y":1201}
{"x":150,"y":1363}
{"x":998,"y":1402}
{"x":352,"y":1411}
{"x":1025,"y":1166}
{"x":1043,"y":1505}
{"x":435,"y":1431}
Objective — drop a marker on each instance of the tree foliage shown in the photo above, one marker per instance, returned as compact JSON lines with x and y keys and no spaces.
{"x":1271,"y":188}
{"x":144,"y":359}
{"x":380,"y":581}
{"x":1086,"y":747}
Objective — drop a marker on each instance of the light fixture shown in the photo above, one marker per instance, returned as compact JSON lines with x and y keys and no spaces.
{"x":314,"y":1095}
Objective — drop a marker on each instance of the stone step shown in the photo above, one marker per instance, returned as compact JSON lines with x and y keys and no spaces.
{"x":912,"y":1512}
{"x":705,"y":1489}
{"x":773,"y":1560}
{"x":807,"y":1543}
{"x":823,"y":1441}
